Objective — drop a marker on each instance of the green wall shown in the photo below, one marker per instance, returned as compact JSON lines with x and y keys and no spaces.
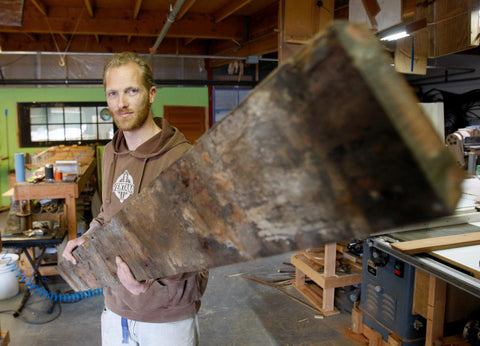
{"x":8,"y":112}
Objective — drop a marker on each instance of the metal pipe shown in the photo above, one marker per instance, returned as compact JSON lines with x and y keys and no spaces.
{"x":444,"y":77}
{"x":450,"y":81}
{"x":99,"y":82}
{"x":170,"y":19}
{"x":224,"y":57}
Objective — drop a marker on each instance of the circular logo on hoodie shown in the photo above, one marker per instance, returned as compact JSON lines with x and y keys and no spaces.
{"x":124,"y":187}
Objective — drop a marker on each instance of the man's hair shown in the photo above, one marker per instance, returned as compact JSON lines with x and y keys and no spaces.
{"x":124,"y":58}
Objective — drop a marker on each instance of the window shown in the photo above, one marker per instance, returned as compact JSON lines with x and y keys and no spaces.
{"x":47,"y":124}
{"x":225,"y":100}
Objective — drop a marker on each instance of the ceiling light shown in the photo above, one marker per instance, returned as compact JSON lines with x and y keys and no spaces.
{"x":395,"y":36}
{"x":401,"y":30}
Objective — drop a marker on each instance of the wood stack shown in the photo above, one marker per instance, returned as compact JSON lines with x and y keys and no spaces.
{"x":4,"y":337}
{"x":332,"y":146}
{"x":365,"y":335}
{"x":328,"y":268}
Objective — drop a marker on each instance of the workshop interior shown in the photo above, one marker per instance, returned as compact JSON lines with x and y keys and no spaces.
{"x":353,"y":213}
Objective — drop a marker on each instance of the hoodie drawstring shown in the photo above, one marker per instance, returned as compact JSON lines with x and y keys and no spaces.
{"x":141,"y":177}
{"x":110,"y":178}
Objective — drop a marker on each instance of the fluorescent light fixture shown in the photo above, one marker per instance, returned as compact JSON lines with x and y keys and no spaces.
{"x":395,"y":36}
{"x":401,"y":30}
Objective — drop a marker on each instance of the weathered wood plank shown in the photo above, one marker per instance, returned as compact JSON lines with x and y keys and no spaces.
{"x":331,"y":146}
{"x":413,"y":247}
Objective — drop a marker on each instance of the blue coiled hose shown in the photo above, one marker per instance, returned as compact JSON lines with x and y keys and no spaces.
{"x":35,"y":288}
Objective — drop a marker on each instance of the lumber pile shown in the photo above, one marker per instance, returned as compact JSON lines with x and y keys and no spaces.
{"x":4,"y":337}
{"x":331,"y":146}
{"x":364,"y":335}
{"x":328,"y":268}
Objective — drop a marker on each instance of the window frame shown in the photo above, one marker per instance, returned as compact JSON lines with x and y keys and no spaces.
{"x":25,"y":125}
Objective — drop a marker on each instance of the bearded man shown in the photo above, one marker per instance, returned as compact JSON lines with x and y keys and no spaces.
{"x":157,"y":311}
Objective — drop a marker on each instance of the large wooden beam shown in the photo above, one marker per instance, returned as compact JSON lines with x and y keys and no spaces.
{"x":331,"y":146}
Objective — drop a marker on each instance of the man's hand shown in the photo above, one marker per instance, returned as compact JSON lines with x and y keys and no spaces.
{"x":72,"y":245}
{"x":127,"y":279}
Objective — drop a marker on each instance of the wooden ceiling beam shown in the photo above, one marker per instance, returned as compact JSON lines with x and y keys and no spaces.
{"x":186,"y":6}
{"x":111,"y":22}
{"x":187,"y":41}
{"x":89,"y":7}
{"x":40,"y":6}
{"x":88,"y":43}
{"x":263,"y":38}
{"x":136,"y":9}
{"x":372,"y":9}
{"x":261,"y":46}
{"x":229,"y":9}
{"x":63,"y":37}
{"x":31,"y":37}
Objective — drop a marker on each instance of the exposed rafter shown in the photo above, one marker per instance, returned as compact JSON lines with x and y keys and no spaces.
{"x":63,"y":37}
{"x":200,"y":28}
{"x":229,"y":9}
{"x":187,"y":41}
{"x":41,"y":7}
{"x":186,"y":6}
{"x":136,"y":9}
{"x":111,"y":22}
{"x":31,"y":37}
{"x":89,"y":7}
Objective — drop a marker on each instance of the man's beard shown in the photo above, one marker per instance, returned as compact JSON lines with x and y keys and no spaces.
{"x":133,"y":122}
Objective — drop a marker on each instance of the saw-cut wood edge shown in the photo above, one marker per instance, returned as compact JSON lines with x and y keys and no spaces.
{"x":332,"y":146}
{"x":413,"y":247}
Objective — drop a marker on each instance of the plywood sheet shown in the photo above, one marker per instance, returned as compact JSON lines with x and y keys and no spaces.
{"x":466,"y":258}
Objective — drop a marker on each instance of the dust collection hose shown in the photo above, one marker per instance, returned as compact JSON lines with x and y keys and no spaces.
{"x":35,"y":288}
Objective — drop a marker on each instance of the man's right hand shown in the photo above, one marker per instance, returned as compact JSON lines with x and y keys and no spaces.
{"x":72,"y":245}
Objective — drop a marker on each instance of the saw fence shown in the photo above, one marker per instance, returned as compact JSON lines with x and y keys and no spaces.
{"x":331,"y":146}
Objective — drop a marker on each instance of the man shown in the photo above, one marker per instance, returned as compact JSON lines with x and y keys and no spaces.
{"x":152,"y":312}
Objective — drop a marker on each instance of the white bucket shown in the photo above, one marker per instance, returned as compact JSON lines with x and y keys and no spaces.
{"x":8,"y":279}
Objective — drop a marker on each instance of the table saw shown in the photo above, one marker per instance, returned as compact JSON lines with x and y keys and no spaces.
{"x":393,"y":298}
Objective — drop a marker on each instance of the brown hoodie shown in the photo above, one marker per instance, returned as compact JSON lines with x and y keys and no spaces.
{"x":124,"y":174}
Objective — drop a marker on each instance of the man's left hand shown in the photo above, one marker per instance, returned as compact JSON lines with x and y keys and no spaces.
{"x":127,"y":279}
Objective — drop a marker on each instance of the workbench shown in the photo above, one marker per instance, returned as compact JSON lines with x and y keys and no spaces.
{"x":67,"y":190}
{"x":52,"y":238}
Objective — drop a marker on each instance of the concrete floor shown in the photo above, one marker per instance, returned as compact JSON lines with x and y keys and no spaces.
{"x":234,"y":311}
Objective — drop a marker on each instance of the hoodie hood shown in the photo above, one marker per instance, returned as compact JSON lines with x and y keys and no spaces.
{"x":168,"y":139}
{"x":162,"y":142}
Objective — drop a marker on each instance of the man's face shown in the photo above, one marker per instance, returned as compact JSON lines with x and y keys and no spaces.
{"x":128,"y":100}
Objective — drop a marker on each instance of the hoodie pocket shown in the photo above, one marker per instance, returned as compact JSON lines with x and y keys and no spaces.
{"x":156,"y":297}
{"x":181,"y":292}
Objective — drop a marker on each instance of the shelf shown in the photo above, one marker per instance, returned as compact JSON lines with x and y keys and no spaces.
{"x":322,"y":271}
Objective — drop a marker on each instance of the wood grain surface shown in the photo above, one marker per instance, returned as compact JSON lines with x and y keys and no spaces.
{"x":414,"y":247}
{"x":331,"y":146}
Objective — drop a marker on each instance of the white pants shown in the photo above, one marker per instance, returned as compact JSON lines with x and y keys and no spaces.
{"x":146,"y":334}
